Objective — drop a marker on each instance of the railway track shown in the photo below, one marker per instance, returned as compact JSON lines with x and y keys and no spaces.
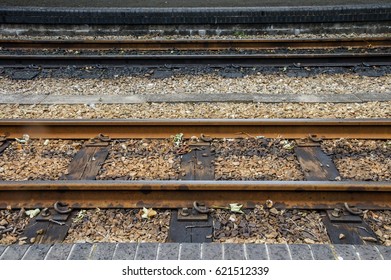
{"x":347,"y":58}
{"x":193,"y":44}
{"x":320,"y":190}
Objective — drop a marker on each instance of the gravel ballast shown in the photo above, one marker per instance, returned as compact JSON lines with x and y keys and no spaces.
{"x":141,"y":160}
{"x":362,"y":160}
{"x":258,"y":225}
{"x":256,"y":159}
{"x":37,"y":159}
{"x":262,"y":225}
{"x":278,"y":83}
{"x":251,"y":158}
{"x":199,"y":111}
{"x":120,"y":225}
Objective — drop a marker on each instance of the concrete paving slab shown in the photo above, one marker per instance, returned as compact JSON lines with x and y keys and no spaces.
{"x":102,"y":251}
{"x":234,"y":252}
{"x":2,"y":249}
{"x":21,"y":99}
{"x":322,"y":252}
{"x":301,"y":252}
{"x":59,"y":252}
{"x":328,"y":98}
{"x":146,"y":251}
{"x":256,"y":252}
{"x":212,"y":251}
{"x":371,"y":97}
{"x":307,"y":98}
{"x":168,"y":251}
{"x":14,"y":252}
{"x":125,"y":251}
{"x":190,"y":251}
{"x":93,"y":99}
{"x":37,"y":252}
{"x":368,"y":252}
{"x":80,"y":251}
{"x":345,"y":252}
{"x":385,"y":251}
{"x":215,"y":97}
{"x":278,"y":252}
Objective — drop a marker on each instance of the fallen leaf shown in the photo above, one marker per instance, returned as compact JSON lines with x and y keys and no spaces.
{"x":148,"y":213}
{"x":236,"y":208}
{"x":33,"y":213}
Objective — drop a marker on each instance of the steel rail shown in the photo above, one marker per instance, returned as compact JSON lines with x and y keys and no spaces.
{"x":337,"y":59}
{"x":176,"y":194}
{"x":216,"y":128}
{"x":202,"y":44}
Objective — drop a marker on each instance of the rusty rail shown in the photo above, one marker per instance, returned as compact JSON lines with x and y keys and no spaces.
{"x":203,"y":44}
{"x":175,"y":194}
{"x":216,"y":128}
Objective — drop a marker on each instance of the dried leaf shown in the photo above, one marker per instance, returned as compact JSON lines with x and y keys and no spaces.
{"x":148,"y":213}
{"x":33,"y":213}
{"x":236,"y":208}
{"x":80,"y":216}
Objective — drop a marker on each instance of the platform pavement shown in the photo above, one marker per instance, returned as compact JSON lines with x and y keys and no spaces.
{"x":193,"y":251}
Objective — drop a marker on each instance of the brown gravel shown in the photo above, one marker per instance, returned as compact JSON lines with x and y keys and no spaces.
{"x":12,"y":224}
{"x":141,"y":160}
{"x":362,"y":160}
{"x":256,"y":159}
{"x":259,"y":225}
{"x":37,"y":161}
{"x":206,"y":83}
{"x":235,"y":159}
{"x":380,"y":222}
{"x":263,"y":225}
{"x":119,"y":226}
{"x":200,"y":110}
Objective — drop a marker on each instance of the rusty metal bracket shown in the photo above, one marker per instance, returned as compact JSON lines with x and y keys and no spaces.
{"x":50,"y":214}
{"x":339,"y":215}
{"x":310,"y":141}
{"x":353,"y":211}
{"x":186,"y":214}
{"x":99,"y":141}
{"x":200,"y":207}
{"x":62,"y":208}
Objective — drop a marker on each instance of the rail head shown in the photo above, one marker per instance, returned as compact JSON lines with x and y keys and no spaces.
{"x":216,"y":128}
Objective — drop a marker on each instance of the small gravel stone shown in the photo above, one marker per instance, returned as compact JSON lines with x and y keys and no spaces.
{"x":13,"y":223}
{"x":200,"y":110}
{"x":121,"y":225}
{"x":141,"y":160}
{"x":278,"y":83}
{"x":362,"y":160}
{"x":269,"y":226}
{"x":380,"y":222}
{"x":36,"y":161}
{"x":255,"y":159}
